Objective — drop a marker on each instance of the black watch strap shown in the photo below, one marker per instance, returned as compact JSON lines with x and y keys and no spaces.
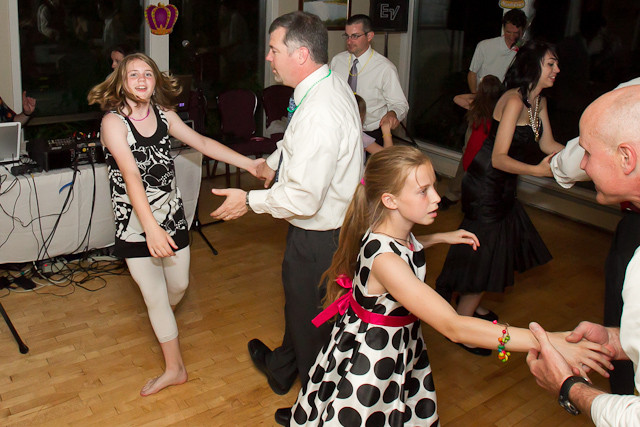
{"x":563,"y":398}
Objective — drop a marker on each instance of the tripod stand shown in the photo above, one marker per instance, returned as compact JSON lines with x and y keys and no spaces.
{"x":21,"y":345}
{"x":198,"y":226}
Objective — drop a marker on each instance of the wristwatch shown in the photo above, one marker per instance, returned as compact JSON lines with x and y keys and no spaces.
{"x":246,"y":202}
{"x":563,"y":398}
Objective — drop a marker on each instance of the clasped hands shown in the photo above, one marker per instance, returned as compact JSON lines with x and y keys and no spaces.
{"x":595,"y":346}
{"x":234,"y":205}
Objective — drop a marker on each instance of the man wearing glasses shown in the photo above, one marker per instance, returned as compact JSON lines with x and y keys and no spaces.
{"x":372,"y":76}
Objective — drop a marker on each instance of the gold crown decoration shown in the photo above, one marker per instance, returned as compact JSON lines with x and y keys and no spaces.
{"x":512,"y":4}
{"x":161,"y":18}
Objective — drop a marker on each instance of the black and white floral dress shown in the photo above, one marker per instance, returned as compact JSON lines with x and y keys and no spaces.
{"x":368,"y":374}
{"x":154,"y":161}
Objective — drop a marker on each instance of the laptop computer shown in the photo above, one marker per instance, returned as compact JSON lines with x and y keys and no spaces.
{"x":9,"y":142}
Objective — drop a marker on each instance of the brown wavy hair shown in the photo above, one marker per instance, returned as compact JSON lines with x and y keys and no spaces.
{"x":480,"y":112}
{"x":112,"y":93}
{"x":386,"y":172}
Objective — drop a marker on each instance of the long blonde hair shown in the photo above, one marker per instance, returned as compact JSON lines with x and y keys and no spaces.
{"x":386,"y":172}
{"x":112,"y":94}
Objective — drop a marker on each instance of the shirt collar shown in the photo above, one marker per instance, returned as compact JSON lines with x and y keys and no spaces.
{"x":309,"y":81}
{"x":365,"y":54}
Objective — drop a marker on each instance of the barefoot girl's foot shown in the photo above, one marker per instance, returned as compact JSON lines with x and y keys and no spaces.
{"x":165,"y":380}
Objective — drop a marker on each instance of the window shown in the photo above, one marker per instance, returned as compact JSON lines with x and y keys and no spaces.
{"x":65,"y":48}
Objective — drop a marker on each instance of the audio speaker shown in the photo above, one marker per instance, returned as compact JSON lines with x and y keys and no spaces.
{"x":389,"y":15}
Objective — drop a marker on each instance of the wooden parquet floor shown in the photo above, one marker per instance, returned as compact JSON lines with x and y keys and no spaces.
{"x":91,"y":352}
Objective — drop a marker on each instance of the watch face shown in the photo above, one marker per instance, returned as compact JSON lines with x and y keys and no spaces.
{"x":568,"y":406}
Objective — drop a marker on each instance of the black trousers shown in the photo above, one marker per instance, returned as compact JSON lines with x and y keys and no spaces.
{"x":307,"y":256}
{"x":625,"y":242}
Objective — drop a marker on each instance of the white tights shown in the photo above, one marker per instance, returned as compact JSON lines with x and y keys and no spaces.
{"x":162,"y":282}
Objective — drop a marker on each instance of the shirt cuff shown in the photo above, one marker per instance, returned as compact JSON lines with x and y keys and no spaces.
{"x":258,"y":201}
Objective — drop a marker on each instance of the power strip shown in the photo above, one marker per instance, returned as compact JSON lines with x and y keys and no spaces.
{"x":51,"y":267}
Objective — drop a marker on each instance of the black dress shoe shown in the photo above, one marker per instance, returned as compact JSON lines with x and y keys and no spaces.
{"x":283,"y":416}
{"x":478,"y":351}
{"x":446,"y":203}
{"x":258,"y":352}
{"x":490,"y":316}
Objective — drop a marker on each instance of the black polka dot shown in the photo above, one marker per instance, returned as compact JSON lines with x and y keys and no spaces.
{"x":332,"y":363}
{"x":428,"y":383}
{"x":312,"y":398}
{"x":376,"y":338}
{"x":349,"y":417}
{"x":300,"y":416}
{"x":384,"y":368}
{"x":407,"y":414}
{"x":396,"y":418}
{"x":318,"y":374}
{"x":364,"y":275}
{"x":419,"y":346}
{"x":391,"y":393}
{"x":314,"y":414}
{"x":419,"y":259}
{"x":342,"y":368}
{"x":413,"y":386}
{"x":406,"y":336}
{"x":330,"y":412}
{"x":409,"y":356}
{"x":345,"y":389}
{"x":397,"y":337}
{"x":415,"y":329}
{"x":425,"y":408}
{"x":371,"y":248}
{"x":399,"y":366}
{"x":376,"y":419}
{"x":368,"y":395}
{"x":394,"y":248}
{"x":326,"y":390}
{"x":436,"y":423}
{"x":423,"y":360}
{"x":361,"y":364}
{"x":346,"y":341}
{"x":379,"y":309}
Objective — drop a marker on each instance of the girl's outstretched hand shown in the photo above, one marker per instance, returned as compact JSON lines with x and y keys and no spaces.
{"x":583,"y":356}
{"x":159,"y":242}
{"x":452,"y":237}
{"x":463,"y":237}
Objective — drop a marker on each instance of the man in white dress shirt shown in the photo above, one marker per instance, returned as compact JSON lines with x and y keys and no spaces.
{"x":372,"y":76}
{"x":610,"y":136}
{"x":318,"y":164}
{"x":493,"y":56}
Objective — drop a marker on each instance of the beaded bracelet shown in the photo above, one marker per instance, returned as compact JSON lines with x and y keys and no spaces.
{"x":503,"y":355}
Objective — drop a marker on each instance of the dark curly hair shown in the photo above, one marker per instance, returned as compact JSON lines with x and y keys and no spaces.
{"x":526,"y":68}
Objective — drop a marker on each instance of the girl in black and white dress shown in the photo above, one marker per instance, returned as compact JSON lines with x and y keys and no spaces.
{"x":375,"y":369}
{"x":151,"y":229}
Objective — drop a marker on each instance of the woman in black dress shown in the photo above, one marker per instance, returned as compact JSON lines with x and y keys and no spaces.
{"x":520,"y":143}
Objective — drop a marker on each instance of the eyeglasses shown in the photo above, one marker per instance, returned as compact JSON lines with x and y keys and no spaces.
{"x":354,"y":36}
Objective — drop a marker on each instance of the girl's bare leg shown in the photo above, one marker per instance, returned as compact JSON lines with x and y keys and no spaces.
{"x":174,"y":374}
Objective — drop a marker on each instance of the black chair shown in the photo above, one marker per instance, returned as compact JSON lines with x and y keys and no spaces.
{"x":237,"y":109}
{"x":275,"y":100}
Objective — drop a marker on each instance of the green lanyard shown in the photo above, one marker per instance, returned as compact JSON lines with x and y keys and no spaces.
{"x":291,"y":110}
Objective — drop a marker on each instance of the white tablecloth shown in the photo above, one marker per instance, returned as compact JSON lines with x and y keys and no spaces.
{"x":27,"y":220}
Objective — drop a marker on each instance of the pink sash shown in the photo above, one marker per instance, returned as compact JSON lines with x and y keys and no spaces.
{"x":340,"y":305}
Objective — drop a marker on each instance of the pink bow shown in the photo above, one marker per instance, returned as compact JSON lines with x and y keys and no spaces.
{"x":339,"y":306}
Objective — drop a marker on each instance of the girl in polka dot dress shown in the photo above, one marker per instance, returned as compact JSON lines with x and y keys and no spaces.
{"x":375,"y":370}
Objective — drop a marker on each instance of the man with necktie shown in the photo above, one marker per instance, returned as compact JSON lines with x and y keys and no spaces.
{"x":319,"y":163}
{"x":372,"y":76}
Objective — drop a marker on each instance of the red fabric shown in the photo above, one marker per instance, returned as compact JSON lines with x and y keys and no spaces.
{"x":476,"y":139}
